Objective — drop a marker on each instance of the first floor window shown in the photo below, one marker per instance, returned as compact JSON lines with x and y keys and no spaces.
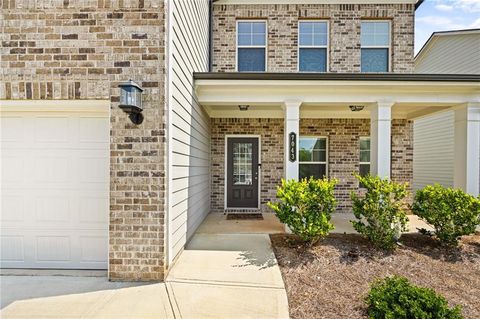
{"x":364,"y":156}
{"x":251,"y":46}
{"x":312,"y":157}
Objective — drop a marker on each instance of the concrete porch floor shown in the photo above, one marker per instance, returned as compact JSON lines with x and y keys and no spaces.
{"x":217,"y":223}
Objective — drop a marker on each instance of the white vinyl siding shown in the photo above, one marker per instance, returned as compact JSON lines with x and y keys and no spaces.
{"x":189,"y":189}
{"x":452,"y":54}
{"x":433,"y":150}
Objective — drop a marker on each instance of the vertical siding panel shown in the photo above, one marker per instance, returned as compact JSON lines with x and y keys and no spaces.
{"x":189,"y":192}
{"x":433,"y":135}
{"x":433,"y":150}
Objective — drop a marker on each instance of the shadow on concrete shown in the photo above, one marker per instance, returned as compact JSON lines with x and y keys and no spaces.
{"x":253,"y":258}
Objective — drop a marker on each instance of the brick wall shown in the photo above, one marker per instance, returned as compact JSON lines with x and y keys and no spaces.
{"x":402,"y":153}
{"x":343,"y":153}
{"x":271,"y":145}
{"x":61,"y":49}
{"x":344,"y":20}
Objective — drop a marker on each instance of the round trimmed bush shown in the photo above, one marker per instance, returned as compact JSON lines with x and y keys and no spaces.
{"x":395,"y":297}
{"x":452,"y":212}
{"x":306,"y":207}
{"x":380,"y":211}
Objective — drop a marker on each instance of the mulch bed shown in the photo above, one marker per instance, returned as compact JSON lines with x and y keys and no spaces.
{"x":332,"y":278}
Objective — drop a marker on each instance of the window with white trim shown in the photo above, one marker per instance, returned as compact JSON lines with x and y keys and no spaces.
{"x":251,"y":46}
{"x":364,"y":156}
{"x":312,"y":157}
{"x":375,"y":46}
{"x":312,"y":46}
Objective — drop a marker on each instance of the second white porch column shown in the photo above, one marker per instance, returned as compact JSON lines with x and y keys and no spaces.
{"x":292,"y":125}
{"x":466,"y":167}
{"x":380,"y":139}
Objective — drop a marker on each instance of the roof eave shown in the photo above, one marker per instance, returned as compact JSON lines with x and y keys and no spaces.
{"x":337,"y":76}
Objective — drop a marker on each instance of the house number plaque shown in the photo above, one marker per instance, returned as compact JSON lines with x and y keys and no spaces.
{"x":292,"y":137}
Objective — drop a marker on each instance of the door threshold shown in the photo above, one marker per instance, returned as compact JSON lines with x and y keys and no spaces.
{"x":242,"y":210}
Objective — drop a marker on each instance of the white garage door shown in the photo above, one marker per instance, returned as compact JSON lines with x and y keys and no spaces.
{"x":54,"y":191}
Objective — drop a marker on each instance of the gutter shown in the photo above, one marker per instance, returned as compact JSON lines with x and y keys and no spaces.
{"x":337,"y":76}
{"x":418,"y":4}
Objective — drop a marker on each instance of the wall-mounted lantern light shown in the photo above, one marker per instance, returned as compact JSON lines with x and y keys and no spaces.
{"x":131,"y":100}
{"x":356,"y":108}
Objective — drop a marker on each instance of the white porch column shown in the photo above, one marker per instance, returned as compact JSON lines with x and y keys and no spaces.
{"x":466,"y":167}
{"x":380,"y":139}
{"x":292,"y":125}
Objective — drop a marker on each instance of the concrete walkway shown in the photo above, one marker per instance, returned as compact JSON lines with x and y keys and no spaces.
{"x":228,"y":270}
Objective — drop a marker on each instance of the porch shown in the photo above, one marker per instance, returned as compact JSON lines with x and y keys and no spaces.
{"x":278,"y":112}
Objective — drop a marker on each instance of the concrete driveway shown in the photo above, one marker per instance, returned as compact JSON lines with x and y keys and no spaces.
{"x":228,"y":270}
{"x":81,"y":297}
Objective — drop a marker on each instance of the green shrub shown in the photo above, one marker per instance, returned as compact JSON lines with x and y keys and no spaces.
{"x":394,"y":297}
{"x":306,"y":206}
{"x":451,"y":212}
{"x":380,"y":213}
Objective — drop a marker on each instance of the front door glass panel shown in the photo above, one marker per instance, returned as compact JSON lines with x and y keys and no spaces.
{"x":242,"y":163}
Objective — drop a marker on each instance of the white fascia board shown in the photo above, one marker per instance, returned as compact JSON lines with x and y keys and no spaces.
{"x":253,"y":2}
{"x":336,"y":83}
{"x":211,"y":92}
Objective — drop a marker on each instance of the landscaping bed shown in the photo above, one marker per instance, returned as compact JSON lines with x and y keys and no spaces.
{"x":332,"y":278}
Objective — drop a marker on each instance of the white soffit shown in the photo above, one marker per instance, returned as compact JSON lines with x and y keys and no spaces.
{"x":330,"y":99}
{"x":329,"y":110}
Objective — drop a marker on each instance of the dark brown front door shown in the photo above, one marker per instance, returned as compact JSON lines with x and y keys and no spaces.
{"x":242,"y":172}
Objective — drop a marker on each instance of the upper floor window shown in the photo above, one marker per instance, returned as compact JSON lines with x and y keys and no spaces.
{"x":375,"y":42}
{"x":251,"y":46}
{"x":312,"y":46}
{"x":312,"y":157}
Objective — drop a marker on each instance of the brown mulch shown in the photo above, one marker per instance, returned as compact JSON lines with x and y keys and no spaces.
{"x":332,"y":278}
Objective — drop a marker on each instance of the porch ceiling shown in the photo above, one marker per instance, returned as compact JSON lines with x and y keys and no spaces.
{"x":331,"y":98}
{"x":309,"y":110}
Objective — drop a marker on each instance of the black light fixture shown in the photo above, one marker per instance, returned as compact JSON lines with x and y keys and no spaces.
{"x":356,"y":108}
{"x":243,"y":107}
{"x":131,"y":100}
